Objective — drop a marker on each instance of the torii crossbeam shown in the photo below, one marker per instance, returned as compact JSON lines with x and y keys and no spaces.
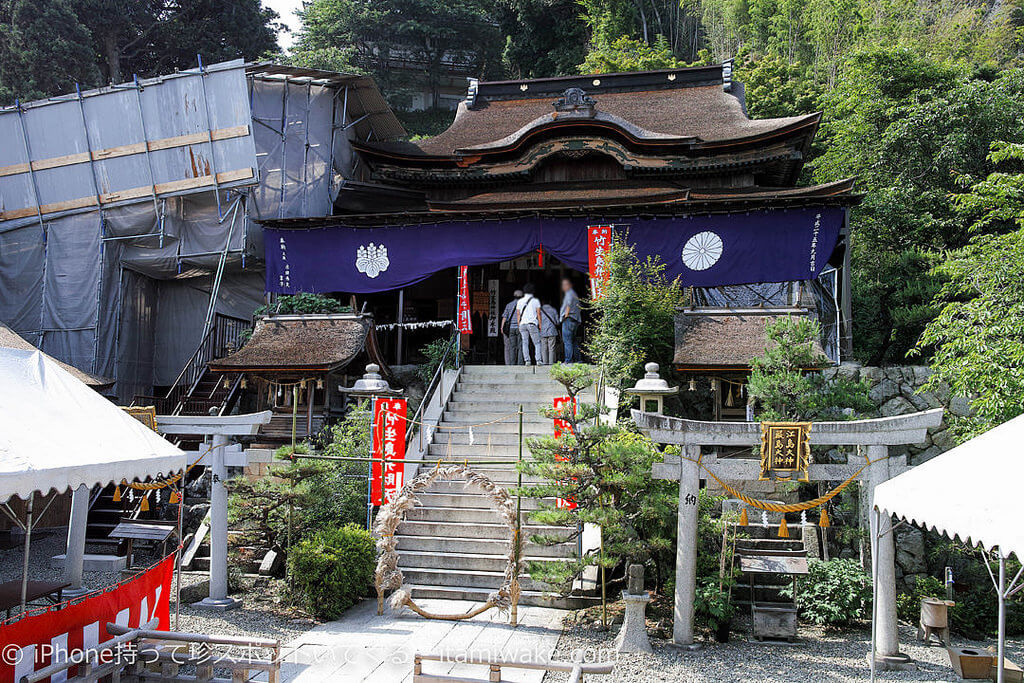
{"x":875,"y":436}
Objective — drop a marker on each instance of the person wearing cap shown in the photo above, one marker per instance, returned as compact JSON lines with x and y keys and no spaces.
{"x":510,"y":331}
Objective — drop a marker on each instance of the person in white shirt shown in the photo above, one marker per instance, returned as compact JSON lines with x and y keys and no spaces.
{"x":528,"y":314}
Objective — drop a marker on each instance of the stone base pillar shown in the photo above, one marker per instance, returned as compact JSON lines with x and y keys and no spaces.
{"x":633,"y":634}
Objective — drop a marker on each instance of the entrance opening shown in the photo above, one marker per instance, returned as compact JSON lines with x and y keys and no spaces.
{"x":429,"y":307}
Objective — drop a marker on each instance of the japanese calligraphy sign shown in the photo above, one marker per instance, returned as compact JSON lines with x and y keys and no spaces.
{"x":599,"y":242}
{"x":785,"y":449}
{"x":465,"y":320}
{"x":493,"y":313}
{"x":562,"y":404}
{"x":388,"y":470}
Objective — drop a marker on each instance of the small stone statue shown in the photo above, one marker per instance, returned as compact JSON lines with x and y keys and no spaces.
{"x":633,"y":635}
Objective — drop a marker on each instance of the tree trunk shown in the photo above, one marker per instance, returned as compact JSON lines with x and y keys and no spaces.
{"x":113,"y":57}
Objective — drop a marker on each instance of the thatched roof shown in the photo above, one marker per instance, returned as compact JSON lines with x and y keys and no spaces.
{"x":714,"y":338}
{"x":12,"y":340}
{"x":312,"y":343}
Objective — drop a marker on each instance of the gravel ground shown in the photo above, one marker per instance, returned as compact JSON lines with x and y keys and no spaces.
{"x":820,"y":655}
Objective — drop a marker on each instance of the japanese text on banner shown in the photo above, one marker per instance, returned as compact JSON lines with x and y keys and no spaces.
{"x":388,"y":470}
{"x":465,"y":320}
{"x":563,"y":403}
{"x":599,"y":243}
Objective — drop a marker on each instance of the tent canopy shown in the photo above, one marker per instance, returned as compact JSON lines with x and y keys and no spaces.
{"x":57,"y":434}
{"x":971,"y":492}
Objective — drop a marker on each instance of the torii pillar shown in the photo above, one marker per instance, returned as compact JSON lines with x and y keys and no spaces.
{"x":872,"y":437}
{"x":219,"y":428}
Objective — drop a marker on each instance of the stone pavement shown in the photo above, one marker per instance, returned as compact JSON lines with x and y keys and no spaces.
{"x":364,"y":647}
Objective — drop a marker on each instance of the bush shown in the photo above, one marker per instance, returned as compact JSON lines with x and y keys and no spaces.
{"x":333,"y":569}
{"x":908,"y":604}
{"x":713,"y":607}
{"x":834,"y":593}
{"x":434,"y":352}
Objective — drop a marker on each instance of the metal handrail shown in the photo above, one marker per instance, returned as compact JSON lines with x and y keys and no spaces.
{"x":224,"y":330}
{"x":576,"y":670}
{"x":437,"y":380}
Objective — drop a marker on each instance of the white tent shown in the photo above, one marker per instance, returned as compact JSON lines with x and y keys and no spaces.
{"x":972,"y":493}
{"x":57,"y":434}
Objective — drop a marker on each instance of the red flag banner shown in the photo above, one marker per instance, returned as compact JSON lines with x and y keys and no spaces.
{"x":599,"y":242}
{"x":29,"y":644}
{"x":388,"y":471}
{"x":465,"y":320}
{"x":562,"y":425}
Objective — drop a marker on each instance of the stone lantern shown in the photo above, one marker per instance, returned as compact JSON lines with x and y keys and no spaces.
{"x":371,"y":385}
{"x":652,"y":390}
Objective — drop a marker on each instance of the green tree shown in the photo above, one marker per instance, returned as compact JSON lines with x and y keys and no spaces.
{"x":403,"y":44}
{"x":785,"y":386}
{"x":627,"y":54}
{"x":44,"y":50}
{"x":978,"y":335}
{"x":542,"y":37}
{"x":635,"y":317}
{"x":606,"y":471}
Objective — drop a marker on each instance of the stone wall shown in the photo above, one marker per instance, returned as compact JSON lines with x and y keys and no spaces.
{"x":897,"y":391}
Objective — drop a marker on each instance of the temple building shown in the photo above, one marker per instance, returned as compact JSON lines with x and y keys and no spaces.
{"x":669,"y":159}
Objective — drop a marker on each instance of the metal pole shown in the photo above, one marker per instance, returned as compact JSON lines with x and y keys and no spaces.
{"x":295,"y":412}
{"x":181,"y":550}
{"x":1001,"y":638}
{"x":28,"y":546}
{"x":75,"y":553}
{"x":873,"y":528}
{"x":519,"y":514}
{"x":400,"y":318}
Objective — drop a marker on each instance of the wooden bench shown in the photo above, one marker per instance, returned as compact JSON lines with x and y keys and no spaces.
{"x":10,"y":593}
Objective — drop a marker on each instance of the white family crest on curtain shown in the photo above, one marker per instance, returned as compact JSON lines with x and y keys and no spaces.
{"x":702,"y":250}
{"x":372,"y":259}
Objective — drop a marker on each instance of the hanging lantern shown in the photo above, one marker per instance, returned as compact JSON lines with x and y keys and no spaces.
{"x":783,"y":529}
{"x":693,"y":384}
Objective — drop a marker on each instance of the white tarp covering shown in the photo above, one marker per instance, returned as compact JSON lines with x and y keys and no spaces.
{"x":971,"y":492}
{"x":56,"y":433}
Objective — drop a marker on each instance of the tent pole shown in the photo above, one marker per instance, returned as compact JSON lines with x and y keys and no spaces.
{"x":28,"y":546}
{"x":873,"y":530}
{"x":1001,"y":640}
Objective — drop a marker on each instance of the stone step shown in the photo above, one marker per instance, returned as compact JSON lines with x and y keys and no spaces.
{"x":442,"y":546}
{"x":458,"y":486}
{"x":516,"y":378}
{"x":448,"y":499}
{"x":474,"y":530}
{"x":503,"y":475}
{"x":478,"y":451}
{"x":467,"y":579}
{"x":497,"y":418}
{"x":530,"y":428}
{"x":526,"y":598}
{"x":466,"y":562}
{"x":536,"y":392}
{"x":460,"y":437}
{"x":486,"y":515}
{"x":484,"y":407}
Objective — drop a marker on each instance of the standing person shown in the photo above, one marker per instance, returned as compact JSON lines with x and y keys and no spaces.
{"x":528,"y":312}
{"x":570,"y":317}
{"x":510,"y":331}
{"x":548,"y":333}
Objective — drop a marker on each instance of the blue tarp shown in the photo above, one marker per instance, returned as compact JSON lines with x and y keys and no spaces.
{"x":702,"y":251}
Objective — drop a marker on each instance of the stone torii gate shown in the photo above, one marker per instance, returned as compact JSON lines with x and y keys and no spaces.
{"x":873,"y":436}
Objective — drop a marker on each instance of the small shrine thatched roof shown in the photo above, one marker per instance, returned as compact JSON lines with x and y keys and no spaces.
{"x":309,"y":343}
{"x":712,"y":338}
{"x":12,"y":340}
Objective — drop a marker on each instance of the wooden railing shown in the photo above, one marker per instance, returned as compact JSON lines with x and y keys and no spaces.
{"x":142,"y":654}
{"x":496,"y":664}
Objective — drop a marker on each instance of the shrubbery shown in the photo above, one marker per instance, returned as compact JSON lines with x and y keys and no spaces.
{"x":834,"y":593}
{"x":333,"y":569}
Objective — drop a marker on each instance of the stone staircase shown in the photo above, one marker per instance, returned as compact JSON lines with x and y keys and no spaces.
{"x":453,"y":545}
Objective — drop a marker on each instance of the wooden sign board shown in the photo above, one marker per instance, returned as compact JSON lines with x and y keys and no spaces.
{"x":785,"y":449}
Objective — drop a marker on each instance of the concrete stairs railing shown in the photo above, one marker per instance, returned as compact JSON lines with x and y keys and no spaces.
{"x":454,"y":544}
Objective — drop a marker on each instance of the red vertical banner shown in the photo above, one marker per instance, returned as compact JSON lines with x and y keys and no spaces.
{"x":465,"y":320}
{"x":388,"y":471}
{"x":562,"y":425}
{"x":599,"y":243}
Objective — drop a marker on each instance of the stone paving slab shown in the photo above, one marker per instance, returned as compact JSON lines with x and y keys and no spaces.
{"x":362,"y":647}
